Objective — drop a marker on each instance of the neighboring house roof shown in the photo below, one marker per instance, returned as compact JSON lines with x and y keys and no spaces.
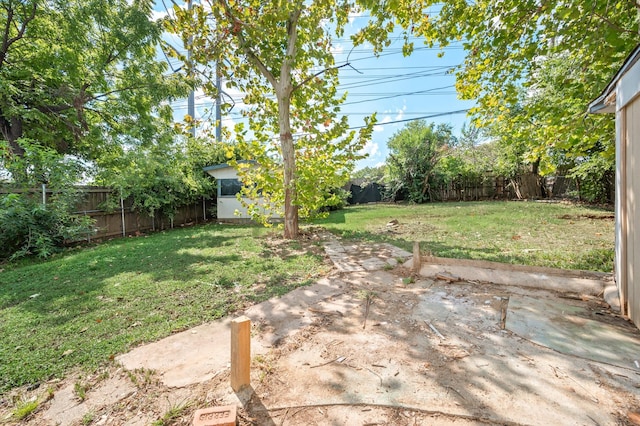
{"x":605,"y":102}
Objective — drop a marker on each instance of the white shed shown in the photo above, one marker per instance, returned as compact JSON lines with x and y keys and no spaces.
{"x":229,"y":207}
{"x":622,"y":97}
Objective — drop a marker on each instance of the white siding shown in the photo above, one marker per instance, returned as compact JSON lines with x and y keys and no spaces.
{"x":628,"y":202}
{"x":228,"y":206}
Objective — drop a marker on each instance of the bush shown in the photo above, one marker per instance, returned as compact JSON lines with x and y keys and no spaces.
{"x":27,"y":227}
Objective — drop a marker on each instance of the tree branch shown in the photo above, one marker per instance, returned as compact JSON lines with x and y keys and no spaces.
{"x":306,"y":80}
{"x":237,"y":32}
{"x":6,"y":41}
{"x":111,"y":92}
{"x":613,"y":24}
{"x":292,"y":38}
{"x":54,"y":109}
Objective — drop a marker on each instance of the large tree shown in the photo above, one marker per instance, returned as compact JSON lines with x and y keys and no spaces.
{"x":279,"y":55}
{"x":79,"y":76}
{"x":414,"y":154}
{"x":533,"y":67}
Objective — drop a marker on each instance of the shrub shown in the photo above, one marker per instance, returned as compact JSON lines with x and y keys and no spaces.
{"x":27,"y":227}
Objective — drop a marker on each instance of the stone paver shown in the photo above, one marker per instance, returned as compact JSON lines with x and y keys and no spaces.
{"x":354,"y":257}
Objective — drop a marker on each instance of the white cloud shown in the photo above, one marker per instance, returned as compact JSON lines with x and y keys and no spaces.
{"x":400,"y":114}
{"x":370,"y":149}
{"x":379,"y":127}
{"x":353,"y":14}
{"x":157,"y":15}
{"x":337,"y":49}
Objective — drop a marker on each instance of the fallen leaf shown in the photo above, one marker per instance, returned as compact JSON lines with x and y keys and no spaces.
{"x":67,"y":352}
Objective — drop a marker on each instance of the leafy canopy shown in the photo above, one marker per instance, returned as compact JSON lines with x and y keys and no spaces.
{"x":533,"y":68}
{"x":414,"y":154}
{"x":278,"y":54}
{"x":80,"y":77}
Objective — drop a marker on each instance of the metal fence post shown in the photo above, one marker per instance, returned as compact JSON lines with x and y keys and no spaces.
{"x":124,"y":232}
{"x":204,"y":209}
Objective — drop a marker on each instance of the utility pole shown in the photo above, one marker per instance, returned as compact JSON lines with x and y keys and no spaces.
{"x":191,"y":101}
{"x":218,"y":103}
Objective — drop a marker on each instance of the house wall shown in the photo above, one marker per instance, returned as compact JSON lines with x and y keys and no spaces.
{"x":228,"y":206}
{"x":628,"y":203}
{"x":224,"y":173}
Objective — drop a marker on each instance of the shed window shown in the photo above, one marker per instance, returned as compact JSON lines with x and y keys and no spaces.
{"x":229,"y":187}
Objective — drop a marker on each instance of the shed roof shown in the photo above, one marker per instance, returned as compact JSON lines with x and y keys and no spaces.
{"x":604,"y":103}
{"x":224,"y":165}
{"x":216,"y":167}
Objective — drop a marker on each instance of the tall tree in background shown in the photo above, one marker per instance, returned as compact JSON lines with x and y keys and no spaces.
{"x":414,"y":154}
{"x":534,"y":66}
{"x":279,"y":55}
{"x":80,"y":77}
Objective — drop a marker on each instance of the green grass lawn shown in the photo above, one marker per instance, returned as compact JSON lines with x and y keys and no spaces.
{"x":558,"y":235}
{"x":81,"y":308}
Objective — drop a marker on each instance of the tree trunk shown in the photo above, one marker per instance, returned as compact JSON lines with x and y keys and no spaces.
{"x":12,"y":131}
{"x":289,"y":158}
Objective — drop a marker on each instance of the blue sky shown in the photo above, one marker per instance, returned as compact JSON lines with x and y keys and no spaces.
{"x":398,"y":88}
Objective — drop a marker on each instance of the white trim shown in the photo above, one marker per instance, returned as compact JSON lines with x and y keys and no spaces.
{"x":628,"y":87}
{"x":619,"y":265}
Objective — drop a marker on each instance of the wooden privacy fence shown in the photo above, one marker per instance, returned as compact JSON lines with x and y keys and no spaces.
{"x":486,"y":187}
{"x":123,"y":220}
{"x":526,"y":185}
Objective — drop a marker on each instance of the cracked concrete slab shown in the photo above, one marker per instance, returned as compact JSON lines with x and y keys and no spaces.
{"x":569,"y":329}
{"x":199,"y":354}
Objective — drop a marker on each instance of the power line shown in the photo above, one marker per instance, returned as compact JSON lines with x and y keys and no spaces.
{"x":419,"y":92}
{"x":368,"y":82}
{"x":409,"y":67}
{"x":387,"y":80}
{"x":441,"y":114}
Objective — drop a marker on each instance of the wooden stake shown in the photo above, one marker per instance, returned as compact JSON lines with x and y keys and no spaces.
{"x":447,"y":277}
{"x":240,"y":353}
{"x":416,"y":257}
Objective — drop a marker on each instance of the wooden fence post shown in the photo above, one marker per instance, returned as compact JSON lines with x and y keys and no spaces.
{"x":240,"y":353}
{"x":416,"y":257}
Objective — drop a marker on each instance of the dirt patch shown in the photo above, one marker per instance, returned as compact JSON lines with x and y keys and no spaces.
{"x":606,"y":216}
{"x":436,"y":345}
